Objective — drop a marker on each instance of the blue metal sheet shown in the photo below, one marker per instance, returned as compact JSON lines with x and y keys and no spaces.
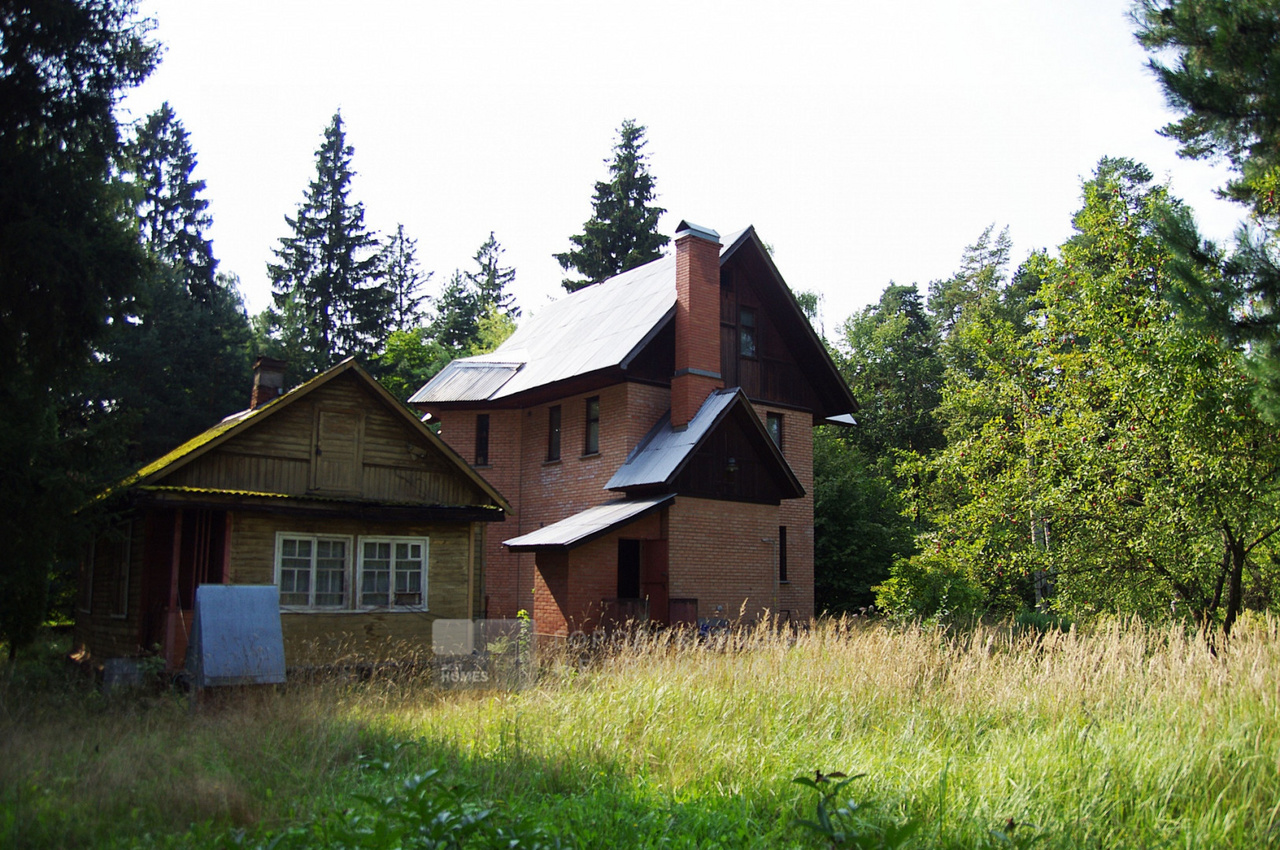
{"x":236,"y":638}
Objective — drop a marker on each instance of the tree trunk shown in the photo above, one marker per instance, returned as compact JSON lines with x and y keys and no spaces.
{"x":1234,"y":550}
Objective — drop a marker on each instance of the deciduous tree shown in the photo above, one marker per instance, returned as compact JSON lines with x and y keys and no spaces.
{"x":1119,"y":451}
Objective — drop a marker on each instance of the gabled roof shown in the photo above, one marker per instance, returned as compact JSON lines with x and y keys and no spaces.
{"x":598,"y":327}
{"x":665,"y":451}
{"x":153,"y":473}
{"x":588,"y":525}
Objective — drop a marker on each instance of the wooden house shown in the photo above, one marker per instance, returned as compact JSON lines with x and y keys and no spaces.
{"x":369,"y":524}
{"x":654,"y":432}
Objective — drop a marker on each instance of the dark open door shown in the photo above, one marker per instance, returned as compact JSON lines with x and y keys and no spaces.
{"x":653,"y":579}
{"x":185,"y":549}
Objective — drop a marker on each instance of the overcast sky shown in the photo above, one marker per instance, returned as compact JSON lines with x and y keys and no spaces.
{"x":867,"y":142}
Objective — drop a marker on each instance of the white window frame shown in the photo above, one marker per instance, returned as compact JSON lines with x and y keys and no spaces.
{"x":314,"y":539}
{"x":395,"y":573}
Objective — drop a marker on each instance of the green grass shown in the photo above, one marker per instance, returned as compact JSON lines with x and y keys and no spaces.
{"x":1119,"y":735}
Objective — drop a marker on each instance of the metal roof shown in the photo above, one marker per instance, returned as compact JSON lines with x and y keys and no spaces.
{"x":597,"y":327}
{"x":664,"y":450}
{"x":586,"y":526}
{"x":466,"y":380}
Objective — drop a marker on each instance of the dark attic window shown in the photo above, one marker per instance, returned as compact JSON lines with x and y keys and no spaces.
{"x":746,"y":332}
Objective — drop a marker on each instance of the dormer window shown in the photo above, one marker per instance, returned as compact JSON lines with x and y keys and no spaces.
{"x":746,"y":332}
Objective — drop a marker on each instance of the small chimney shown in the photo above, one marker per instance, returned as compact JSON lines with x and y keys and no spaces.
{"x":697,"y":322}
{"x":268,"y":381}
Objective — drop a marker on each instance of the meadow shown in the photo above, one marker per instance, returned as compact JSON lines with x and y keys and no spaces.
{"x":1117,"y":734}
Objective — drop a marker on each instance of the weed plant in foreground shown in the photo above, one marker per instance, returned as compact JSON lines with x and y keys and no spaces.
{"x":1118,"y":735}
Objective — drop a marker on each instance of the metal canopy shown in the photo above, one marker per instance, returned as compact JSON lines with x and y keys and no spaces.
{"x":664,"y":450}
{"x":588,"y":525}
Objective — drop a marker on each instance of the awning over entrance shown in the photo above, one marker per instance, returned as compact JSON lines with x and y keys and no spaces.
{"x":588,"y":525}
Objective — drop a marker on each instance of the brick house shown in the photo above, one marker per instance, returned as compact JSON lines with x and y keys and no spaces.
{"x":653,"y":434}
{"x":335,"y":492}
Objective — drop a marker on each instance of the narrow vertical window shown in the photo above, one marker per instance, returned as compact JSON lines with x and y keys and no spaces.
{"x":746,"y":332}
{"x":773,"y":422}
{"x":553,"y":433}
{"x":592,"y":442}
{"x":782,"y":553}
{"x":482,"y":439}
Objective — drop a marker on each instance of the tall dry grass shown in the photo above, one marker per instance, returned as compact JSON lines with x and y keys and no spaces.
{"x":1118,"y":735}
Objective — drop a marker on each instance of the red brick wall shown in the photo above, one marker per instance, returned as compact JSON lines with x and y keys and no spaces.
{"x":570,"y":597}
{"x":542,"y":493}
{"x":719,"y":555}
{"x":796,"y":596}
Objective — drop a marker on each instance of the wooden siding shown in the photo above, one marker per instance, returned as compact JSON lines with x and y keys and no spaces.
{"x":387,"y":461}
{"x":106,"y":632}
{"x":774,"y":374}
{"x":707,"y":474}
{"x":342,"y":636}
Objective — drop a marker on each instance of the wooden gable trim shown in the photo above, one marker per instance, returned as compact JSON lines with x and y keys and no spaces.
{"x":209,"y":440}
{"x":828,"y":384}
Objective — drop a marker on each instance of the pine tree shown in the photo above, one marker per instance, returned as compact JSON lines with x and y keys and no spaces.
{"x":404,"y":281}
{"x":172,"y":217}
{"x":491,"y":279}
{"x":327,"y":286}
{"x":622,"y":233}
{"x":1224,"y":78}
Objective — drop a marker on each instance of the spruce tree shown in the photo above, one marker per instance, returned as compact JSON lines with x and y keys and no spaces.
{"x":328,"y":290}
{"x":181,"y":361}
{"x":68,"y":261}
{"x":491,"y":279}
{"x":458,"y":312}
{"x":403,"y":280}
{"x":622,"y":233}
{"x":172,"y":217}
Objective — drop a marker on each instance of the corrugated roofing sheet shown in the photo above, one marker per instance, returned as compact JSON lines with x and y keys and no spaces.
{"x":594,"y":328}
{"x":664,"y":449}
{"x":466,"y":380}
{"x":586,"y":526}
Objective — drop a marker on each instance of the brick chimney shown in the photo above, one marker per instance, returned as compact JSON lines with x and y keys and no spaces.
{"x":268,"y":381}
{"x":697,"y":321}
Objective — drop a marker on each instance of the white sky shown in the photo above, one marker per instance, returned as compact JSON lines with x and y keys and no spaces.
{"x":867,"y":142}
